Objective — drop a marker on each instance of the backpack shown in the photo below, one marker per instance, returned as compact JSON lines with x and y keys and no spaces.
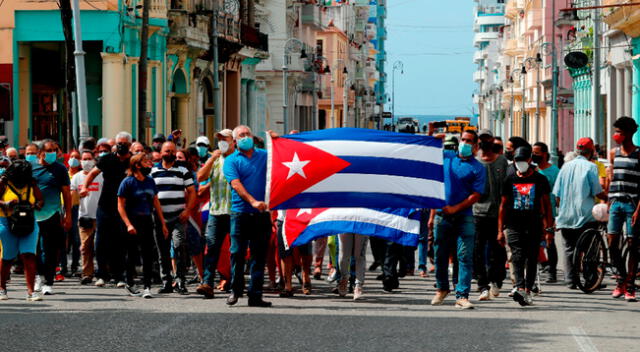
{"x":22,"y":218}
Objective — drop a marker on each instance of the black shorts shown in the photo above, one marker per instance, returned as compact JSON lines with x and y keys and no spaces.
{"x":303,"y":250}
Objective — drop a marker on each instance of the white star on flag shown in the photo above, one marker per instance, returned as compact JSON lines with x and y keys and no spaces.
{"x":296,"y":166}
{"x":304,"y":211}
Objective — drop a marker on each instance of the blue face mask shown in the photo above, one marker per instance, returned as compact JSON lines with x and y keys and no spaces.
{"x":465,"y":150}
{"x":2,"y":170}
{"x":245,"y":143}
{"x":103,"y":154}
{"x":50,"y":158}
{"x":202,"y":151}
{"x":73,"y":162}
{"x":31,"y":158}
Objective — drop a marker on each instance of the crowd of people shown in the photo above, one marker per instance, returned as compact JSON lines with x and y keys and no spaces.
{"x":117,"y":212}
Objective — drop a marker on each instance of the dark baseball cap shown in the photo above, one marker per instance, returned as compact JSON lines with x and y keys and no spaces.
{"x":159,"y":137}
{"x":522,"y":154}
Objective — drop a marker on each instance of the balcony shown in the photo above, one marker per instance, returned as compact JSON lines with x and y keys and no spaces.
{"x":188,"y":29}
{"x":513,"y":47}
{"x":534,"y":19}
{"x":479,"y":76}
{"x":228,"y":28}
{"x":312,"y":16}
{"x":513,"y":8}
{"x":158,"y":9}
{"x":253,"y":38}
{"x":371,"y":31}
{"x":484,"y":37}
{"x":479,"y":56}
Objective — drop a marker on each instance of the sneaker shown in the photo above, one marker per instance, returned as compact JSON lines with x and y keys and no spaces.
{"x":357,"y":292}
{"x":513,"y":291}
{"x":86,"y":280}
{"x":528,"y":298}
{"x":258,"y":302}
{"x":147,"y":293}
{"x":333,"y":276}
{"x":132,"y":291}
{"x":167,"y":287}
{"x":463,"y":303}
{"x":3,"y":295}
{"x":47,"y":290}
{"x":495,"y":290}
{"x":619,"y":291}
{"x":100,"y":283}
{"x":38,"y":285}
{"x":121,"y":284}
{"x":520,"y":297}
{"x":182,"y":289}
{"x":342,"y":287}
{"x":34,"y":297}
{"x":439,"y":297}
{"x":536,"y":290}
{"x":485,"y":296}
{"x":630,"y":296}
{"x":59,"y":277}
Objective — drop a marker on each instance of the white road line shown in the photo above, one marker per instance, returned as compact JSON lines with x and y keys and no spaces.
{"x":584,"y":342}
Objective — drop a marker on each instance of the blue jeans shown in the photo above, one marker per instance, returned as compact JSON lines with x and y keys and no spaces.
{"x":249,"y":230}
{"x":620,"y":214}
{"x":218,"y":227}
{"x":458,"y":231}
{"x":423,"y":240}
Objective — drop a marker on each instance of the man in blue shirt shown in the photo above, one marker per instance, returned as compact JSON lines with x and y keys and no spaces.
{"x":464,"y":179}
{"x":246,"y":171}
{"x":576,"y":187}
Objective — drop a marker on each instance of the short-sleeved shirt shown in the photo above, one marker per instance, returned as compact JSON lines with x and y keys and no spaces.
{"x":576,"y":186}
{"x":50,"y":179}
{"x":171,"y":184}
{"x":20,"y":194}
{"x":462,"y":178}
{"x":551,"y":173}
{"x":138,"y":195}
{"x":114,"y":171}
{"x":89,"y":204}
{"x":252,"y":173}
{"x":219,"y":189}
{"x":523,"y":209}
{"x":489,"y":203}
{"x":602,"y":169}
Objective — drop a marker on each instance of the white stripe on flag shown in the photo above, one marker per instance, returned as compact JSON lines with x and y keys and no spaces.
{"x":413,"y":152}
{"x":369,"y":216}
{"x":370,"y":183}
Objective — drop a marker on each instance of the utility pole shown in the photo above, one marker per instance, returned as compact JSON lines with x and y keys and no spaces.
{"x":142,"y":74}
{"x":554,"y":87}
{"x":216,"y":73}
{"x":66,"y":15}
{"x":81,"y":79}
{"x":596,"y":107}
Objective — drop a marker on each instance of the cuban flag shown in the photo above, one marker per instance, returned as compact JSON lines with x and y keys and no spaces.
{"x":304,"y":225}
{"x":354,"y":168}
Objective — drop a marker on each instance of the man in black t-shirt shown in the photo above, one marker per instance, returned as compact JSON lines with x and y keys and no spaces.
{"x":111,"y":233}
{"x":525,"y":212}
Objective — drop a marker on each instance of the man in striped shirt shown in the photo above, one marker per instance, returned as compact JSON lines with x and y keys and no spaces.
{"x":176,"y":193}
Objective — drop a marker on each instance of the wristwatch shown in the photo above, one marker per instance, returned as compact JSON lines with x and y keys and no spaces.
{"x":550,"y":230}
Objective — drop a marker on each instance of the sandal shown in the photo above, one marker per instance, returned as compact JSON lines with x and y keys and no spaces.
{"x":306,"y":288}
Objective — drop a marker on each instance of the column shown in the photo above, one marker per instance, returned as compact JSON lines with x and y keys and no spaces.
{"x":113,"y":95}
{"x":620,"y":92}
{"x":23,"y":121}
{"x":634,"y":103}
{"x":629,"y":98}
{"x":183,"y":113}
{"x":612,"y":104}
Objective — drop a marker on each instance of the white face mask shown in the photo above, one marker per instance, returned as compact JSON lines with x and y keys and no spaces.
{"x":87,"y":165}
{"x":522,"y":166}
{"x":223,"y":146}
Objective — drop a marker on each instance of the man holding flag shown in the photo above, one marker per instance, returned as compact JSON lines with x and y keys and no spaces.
{"x":454,"y":224}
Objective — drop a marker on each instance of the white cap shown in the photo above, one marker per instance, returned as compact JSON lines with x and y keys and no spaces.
{"x":202,"y":140}
{"x":224,"y":133}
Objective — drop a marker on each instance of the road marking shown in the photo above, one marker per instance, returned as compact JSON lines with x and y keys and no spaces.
{"x":584,"y":342}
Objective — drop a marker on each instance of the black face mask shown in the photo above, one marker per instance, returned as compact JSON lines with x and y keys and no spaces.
{"x":145,"y":171}
{"x":169,"y":158}
{"x":497,"y":148}
{"x":536,"y":159}
{"x":509,"y":155}
{"x":486,"y":146}
{"x":122,"y":149}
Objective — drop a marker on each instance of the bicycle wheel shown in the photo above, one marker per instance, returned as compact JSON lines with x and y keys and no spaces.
{"x":590,"y":260}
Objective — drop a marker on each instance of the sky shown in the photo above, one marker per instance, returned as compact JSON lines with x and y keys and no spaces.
{"x":434,"y":40}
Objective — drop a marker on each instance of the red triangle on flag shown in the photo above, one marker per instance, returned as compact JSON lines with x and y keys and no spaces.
{"x":296,"y":221}
{"x":297,"y":166}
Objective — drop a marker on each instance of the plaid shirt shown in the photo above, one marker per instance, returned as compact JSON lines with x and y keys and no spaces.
{"x":220,"y":190}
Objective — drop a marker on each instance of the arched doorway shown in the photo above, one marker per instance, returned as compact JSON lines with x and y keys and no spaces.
{"x":179,"y":105}
{"x":208,"y":124}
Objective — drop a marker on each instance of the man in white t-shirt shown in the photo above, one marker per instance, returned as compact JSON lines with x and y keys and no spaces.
{"x":87,"y":213}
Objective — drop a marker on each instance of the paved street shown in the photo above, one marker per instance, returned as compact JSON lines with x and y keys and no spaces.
{"x":79,"y":318}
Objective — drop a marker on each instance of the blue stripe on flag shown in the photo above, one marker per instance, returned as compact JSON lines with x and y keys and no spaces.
{"x":361,"y":134}
{"x":329,"y":228}
{"x":363,"y":200}
{"x":393,"y":167}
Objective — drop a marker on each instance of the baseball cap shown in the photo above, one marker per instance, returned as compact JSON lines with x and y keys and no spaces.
{"x":159,"y":137}
{"x":203,"y":140}
{"x":485,"y":132}
{"x":224,"y":133}
{"x":450,"y":140}
{"x":522,"y":154}
{"x":585,"y":143}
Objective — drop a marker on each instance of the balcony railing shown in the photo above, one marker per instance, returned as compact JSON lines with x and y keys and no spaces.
{"x":312,"y":16}
{"x":190,"y":29}
{"x":228,"y":27}
{"x":254,"y":38}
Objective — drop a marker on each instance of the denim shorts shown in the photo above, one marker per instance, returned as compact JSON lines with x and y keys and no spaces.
{"x":13,"y":245}
{"x":621,"y":213}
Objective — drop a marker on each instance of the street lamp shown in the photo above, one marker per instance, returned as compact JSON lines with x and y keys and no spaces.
{"x":398,"y":65}
{"x":290,"y":46}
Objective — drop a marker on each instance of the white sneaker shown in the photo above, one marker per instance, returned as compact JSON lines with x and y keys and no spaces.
{"x":100,"y":283}
{"x":38,"y":285}
{"x":147,"y":293}
{"x":514,"y":290}
{"x":463,"y":303}
{"x":121,"y":284}
{"x":47,"y":290}
{"x":484,"y":296}
{"x":3,"y":295}
{"x":333,"y":276}
{"x":34,"y":297}
{"x":528,"y":298}
{"x":495,"y":290}
{"x":357,"y":292}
